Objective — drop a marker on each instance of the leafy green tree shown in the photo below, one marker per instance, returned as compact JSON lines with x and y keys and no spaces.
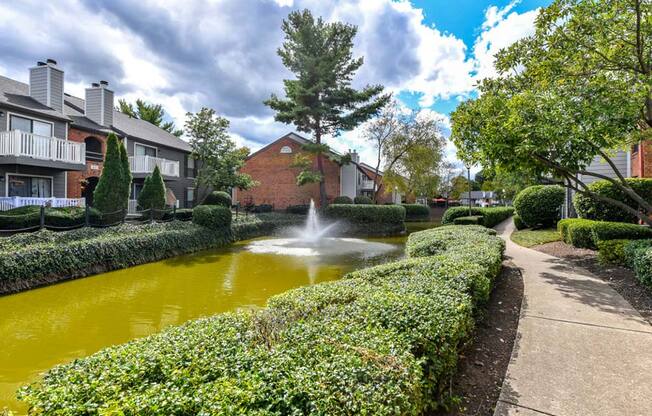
{"x":321,"y":100}
{"x":152,"y":196}
{"x":578,"y":88}
{"x":220,"y":158}
{"x":109,"y":195}
{"x":460,"y":184}
{"x":126,"y":173}
{"x":153,"y":113}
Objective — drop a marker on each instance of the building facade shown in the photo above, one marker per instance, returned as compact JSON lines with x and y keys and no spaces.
{"x":52,"y":144}
{"x":272,"y":167}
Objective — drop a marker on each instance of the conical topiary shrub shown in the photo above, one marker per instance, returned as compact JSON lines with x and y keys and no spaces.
{"x":126,"y":173}
{"x":152,"y":195}
{"x":105,"y":197}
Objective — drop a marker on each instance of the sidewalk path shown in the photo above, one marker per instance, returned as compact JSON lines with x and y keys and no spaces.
{"x":581,"y":349}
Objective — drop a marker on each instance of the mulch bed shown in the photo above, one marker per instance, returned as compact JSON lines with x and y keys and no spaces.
{"x":620,"y":278}
{"x":483,"y":365}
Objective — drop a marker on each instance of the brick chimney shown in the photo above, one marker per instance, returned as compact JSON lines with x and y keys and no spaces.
{"x":46,"y":84}
{"x":99,"y":104}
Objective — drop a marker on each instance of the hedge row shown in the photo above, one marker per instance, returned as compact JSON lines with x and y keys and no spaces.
{"x":638,"y":256}
{"x":584,"y":233}
{"x":368,"y":220}
{"x":490,"y":216}
{"x":590,"y":208}
{"x":383,"y":341}
{"x":470,"y":220}
{"x":416,"y":212}
{"x":30,"y":216}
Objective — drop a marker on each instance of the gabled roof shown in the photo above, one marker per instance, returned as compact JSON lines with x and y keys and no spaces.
{"x":15,"y":94}
{"x":123,"y":125}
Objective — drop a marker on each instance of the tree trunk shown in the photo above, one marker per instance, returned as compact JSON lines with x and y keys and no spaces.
{"x":320,"y":168}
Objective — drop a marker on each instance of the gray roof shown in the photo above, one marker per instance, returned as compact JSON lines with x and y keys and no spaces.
{"x":15,"y":94}
{"x":124,"y":126}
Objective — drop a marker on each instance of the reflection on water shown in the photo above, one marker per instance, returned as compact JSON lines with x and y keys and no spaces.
{"x":45,"y":327}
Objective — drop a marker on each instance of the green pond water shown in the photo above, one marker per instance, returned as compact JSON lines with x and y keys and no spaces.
{"x":52,"y":325}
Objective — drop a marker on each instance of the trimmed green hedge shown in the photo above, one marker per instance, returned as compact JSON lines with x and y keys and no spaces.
{"x":518,"y":223}
{"x":367,"y":214}
{"x":382,"y":341}
{"x":593,"y":209}
{"x":585,"y":233}
{"x":491,"y":216}
{"x":362,"y":200}
{"x":214,"y":217}
{"x":218,"y":198}
{"x":342,"y":200}
{"x":540,"y":205}
{"x":638,"y":256}
{"x":416,"y":212}
{"x":474,"y":219}
{"x":612,"y":251}
{"x":298,"y":209}
{"x":30,"y":216}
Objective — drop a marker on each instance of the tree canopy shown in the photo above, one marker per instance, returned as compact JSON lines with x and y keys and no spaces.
{"x":152,"y":113}
{"x":321,"y":100}
{"x":580,"y":87}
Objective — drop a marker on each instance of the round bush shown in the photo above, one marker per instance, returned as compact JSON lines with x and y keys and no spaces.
{"x":362,"y":200}
{"x":214,"y":217}
{"x":218,"y":198}
{"x":539,"y":205}
{"x":342,"y":200}
{"x":592,"y":209}
{"x":518,"y":223}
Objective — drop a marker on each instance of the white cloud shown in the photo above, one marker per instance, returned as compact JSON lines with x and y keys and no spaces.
{"x":499,"y":30}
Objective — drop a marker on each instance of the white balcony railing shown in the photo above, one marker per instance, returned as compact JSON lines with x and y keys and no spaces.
{"x":367,"y":184}
{"x":20,"y":143}
{"x":146,"y":164}
{"x":7,"y":203}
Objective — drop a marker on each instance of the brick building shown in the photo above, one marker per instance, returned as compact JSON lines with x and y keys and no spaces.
{"x":271,"y":167}
{"x":641,"y":159}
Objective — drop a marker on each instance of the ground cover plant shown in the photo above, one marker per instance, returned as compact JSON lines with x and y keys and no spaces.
{"x":531,"y":238}
{"x":382,"y":341}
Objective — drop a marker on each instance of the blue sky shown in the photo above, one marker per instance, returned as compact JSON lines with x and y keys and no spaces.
{"x":196,"y":53}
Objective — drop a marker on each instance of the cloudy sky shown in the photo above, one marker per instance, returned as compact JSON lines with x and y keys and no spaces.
{"x":222,"y":53}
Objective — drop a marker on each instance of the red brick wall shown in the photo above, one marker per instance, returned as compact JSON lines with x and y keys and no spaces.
{"x":93,"y":168}
{"x":278,"y":181}
{"x":644,"y":149}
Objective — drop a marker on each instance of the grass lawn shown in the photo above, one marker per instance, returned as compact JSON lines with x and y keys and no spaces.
{"x":530,"y":238}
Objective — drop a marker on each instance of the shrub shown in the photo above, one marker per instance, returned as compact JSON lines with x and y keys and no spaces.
{"x":539,"y":205}
{"x":612,"y":251}
{"x":152,"y":196}
{"x":30,"y":216}
{"x":580,"y":234}
{"x":518,"y":223}
{"x":342,"y":200}
{"x":262,"y":208}
{"x":455,"y":212}
{"x":109,"y":194}
{"x":590,"y":208}
{"x":474,"y":219}
{"x":218,"y":198}
{"x":619,"y":230}
{"x":382,"y":341}
{"x":416,"y":212}
{"x":215,"y":217}
{"x":362,"y":200}
{"x":585,"y":233}
{"x":298,"y":209}
{"x":366,"y":214}
{"x":638,"y":256}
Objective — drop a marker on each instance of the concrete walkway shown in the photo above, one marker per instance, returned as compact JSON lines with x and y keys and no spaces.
{"x":581,"y":348}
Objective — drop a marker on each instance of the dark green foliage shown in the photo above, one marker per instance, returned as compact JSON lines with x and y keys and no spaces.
{"x":215,"y":217}
{"x":363,"y":200}
{"x":518,"y":223}
{"x":638,"y":256}
{"x":612,"y":251}
{"x":218,"y":198}
{"x":491,"y":216}
{"x":416,"y":212}
{"x":298,"y":209}
{"x":126,"y":174}
{"x":30,"y":216}
{"x":342,"y":200}
{"x":383,"y":341}
{"x":152,"y":196}
{"x":474,"y":219}
{"x":262,"y":208}
{"x":585,"y":233}
{"x":540,"y":205}
{"x":593,"y":209}
{"x":181,"y":214}
{"x":367,"y":214}
{"x":109,"y":194}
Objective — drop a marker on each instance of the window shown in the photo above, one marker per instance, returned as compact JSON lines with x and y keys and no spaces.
{"x":286,"y":149}
{"x":190,"y":197}
{"x":28,"y":125}
{"x":190,"y":166}
{"x":142,"y":150}
{"x":29,"y":186}
{"x":93,"y":148}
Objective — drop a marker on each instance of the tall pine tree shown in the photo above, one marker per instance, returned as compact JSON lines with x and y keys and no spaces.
{"x":321,"y":100}
{"x":105,"y":197}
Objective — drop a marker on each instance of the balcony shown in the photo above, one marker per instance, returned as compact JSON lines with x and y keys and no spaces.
{"x":27,"y":148}
{"x":146,"y":164}
{"x":11,"y":202}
